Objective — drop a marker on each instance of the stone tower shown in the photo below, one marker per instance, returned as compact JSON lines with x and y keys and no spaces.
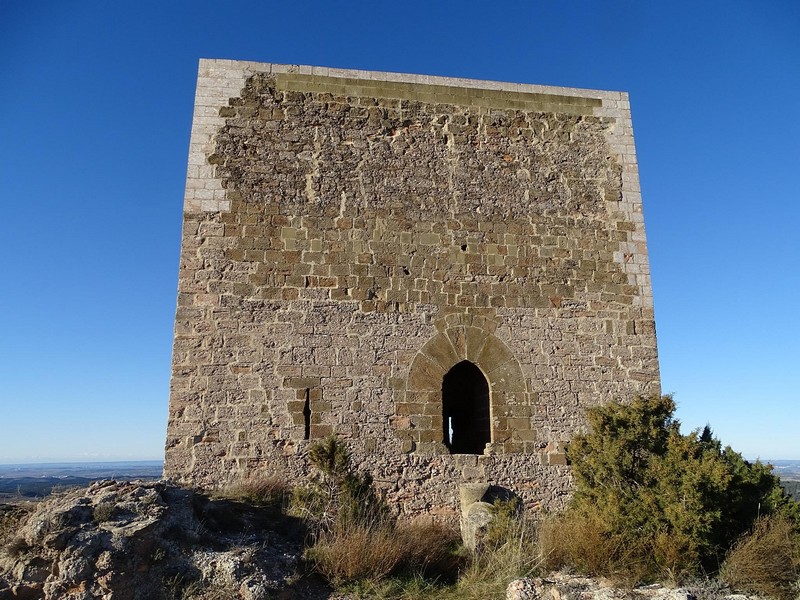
{"x":443,"y":272}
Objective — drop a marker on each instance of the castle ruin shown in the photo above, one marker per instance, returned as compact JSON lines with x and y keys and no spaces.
{"x":444,"y":273}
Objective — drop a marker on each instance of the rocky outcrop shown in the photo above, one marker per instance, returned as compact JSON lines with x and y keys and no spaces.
{"x":561,"y":586}
{"x":126,"y":540}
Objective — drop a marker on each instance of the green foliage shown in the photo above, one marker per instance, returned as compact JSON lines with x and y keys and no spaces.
{"x":505,"y":524}
{"x":337,"y":495}
{"x":104,"y":512}
{"x":681,"y":499}
{"x":792,"y":488}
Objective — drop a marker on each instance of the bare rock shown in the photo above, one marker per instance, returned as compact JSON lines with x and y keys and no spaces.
{"x":563,"y":586}
{"x":525,"y":589}
{"x":134,"y":540}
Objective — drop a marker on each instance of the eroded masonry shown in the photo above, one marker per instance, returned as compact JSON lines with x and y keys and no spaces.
{"x":445,"y":273}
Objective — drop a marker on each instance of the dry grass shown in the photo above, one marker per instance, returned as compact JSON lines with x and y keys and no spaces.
{"x":360,"y":552}
{"x":580,"y":542}
{"x":267,"y":491}
{"x":675,"y":557}
{"x":577,"y":541}
{"x":434,"y":550}
{"x":357,"y":553}
{"x":766,"y":561}
{"x":423,"y":561}
{"x":512,"y":553}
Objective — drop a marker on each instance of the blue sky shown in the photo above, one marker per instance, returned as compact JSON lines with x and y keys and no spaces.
{"x":95,"y":114}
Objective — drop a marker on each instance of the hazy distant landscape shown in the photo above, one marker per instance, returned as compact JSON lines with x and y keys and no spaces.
{"x":37,"y":480}
{"x":789,"y":472}
{"x":786,"y":469}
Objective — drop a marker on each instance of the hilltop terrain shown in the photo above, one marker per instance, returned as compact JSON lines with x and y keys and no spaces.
{"x":151,"y":540}
{"x":154,"y":540}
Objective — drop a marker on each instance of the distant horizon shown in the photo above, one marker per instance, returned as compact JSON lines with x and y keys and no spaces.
{"x":61,"y":461}
{"x":161,"y":461}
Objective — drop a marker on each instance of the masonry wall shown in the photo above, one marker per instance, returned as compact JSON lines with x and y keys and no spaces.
{"x":351,"y":236}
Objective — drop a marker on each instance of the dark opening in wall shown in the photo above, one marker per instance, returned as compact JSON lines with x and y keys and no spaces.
{"x":307,"y":414}
{"x":466,"y":422}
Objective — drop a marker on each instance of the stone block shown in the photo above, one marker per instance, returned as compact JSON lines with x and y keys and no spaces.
{"x":441,"y":351}
{"x":425,"y":374}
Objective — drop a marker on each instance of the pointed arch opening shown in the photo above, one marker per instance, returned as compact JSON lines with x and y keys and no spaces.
{"x":466,"y":422}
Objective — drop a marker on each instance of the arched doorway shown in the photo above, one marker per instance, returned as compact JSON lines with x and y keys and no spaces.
{"x":466,"y":424}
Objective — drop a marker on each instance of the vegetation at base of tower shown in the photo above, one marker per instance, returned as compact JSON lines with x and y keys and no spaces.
{"x":269,"y":492}
{"x":354,"y":536}
{"x":338,"y":496}
{"x":651,"y":503}
{"x":508,"y":550}
{"x":356,"y":543}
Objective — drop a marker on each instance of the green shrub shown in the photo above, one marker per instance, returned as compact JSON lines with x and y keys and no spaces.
{"x":337,"y":495}
{"x":104,"y":512}
{"x":666,"y":503}
{"x":505,"y":524}
{"x":792,"y":488}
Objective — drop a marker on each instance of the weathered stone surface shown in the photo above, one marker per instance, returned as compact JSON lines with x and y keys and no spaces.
{"x":148,"y":541}
{"x":474,"y":523}
{"x":560,"y":586}
{"x":470,"y":493}
{"x":349,"y":237}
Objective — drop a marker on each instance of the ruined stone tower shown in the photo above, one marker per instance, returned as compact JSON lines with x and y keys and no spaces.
{"x":443,"y":272}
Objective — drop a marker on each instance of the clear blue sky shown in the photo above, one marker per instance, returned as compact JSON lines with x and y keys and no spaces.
{"x":95,"y":113}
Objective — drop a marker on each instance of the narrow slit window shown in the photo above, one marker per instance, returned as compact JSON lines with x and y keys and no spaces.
{"x":466,"y":419}
{"x":307,"y":415}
